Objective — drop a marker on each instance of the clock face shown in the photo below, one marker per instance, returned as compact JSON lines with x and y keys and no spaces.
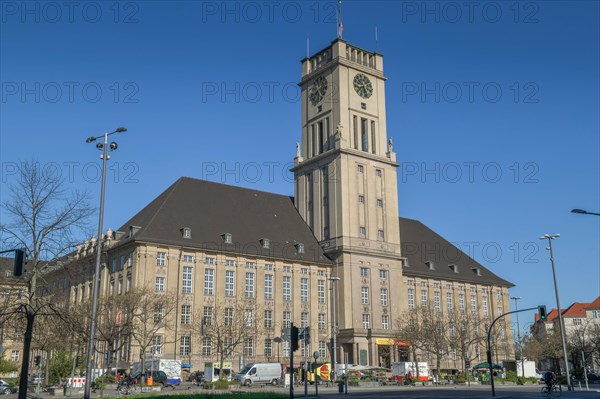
{"x":363,"y":86}
{"x":318,"y":90}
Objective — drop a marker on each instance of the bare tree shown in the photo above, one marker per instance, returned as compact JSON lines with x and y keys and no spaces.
{"x":45,"y":221}
{"x":226,"y":324}
{"x":147,"y":313}
{"x":466,"y":334}
{"x":427,"y":330}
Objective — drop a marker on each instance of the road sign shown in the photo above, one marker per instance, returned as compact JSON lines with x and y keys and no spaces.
{"x":304,"y":333}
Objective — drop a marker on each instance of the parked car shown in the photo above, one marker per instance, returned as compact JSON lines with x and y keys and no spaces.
{"x":158,"y":376}
{"x":6,"y":388}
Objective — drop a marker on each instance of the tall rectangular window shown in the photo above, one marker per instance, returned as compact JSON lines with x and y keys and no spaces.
{"x":249,"y":318}
{"x":355,"y":126}
{"x":364,"y":134}
{"x":186,"y":283}
{"x":159,"y":284}
{"x":366,"y":321}
{"x":161,"y":258}
{"x":321,"y":291}
{"x":268,"y":347}
{"x":268,"y":320}
{"x":228,"y":318}
{"x":473,"y":304}
{"x":383,"y":294}
{"x":15,"y":356}
{"x":373,"y":138}
{"x":310,"y":200}
{"x":304,"y":319}
{"x":157,"y":345}
{"x":186,"y":314}
{"x":450,"y":302}
{"x":322,"y":321}
{"x":385,"y":322}
{"x":209,"y":282}
{"x":484,"y":304}
{"x":268,"y":286}
{"x":320,"y":136}
{"x":437,"y":302}
{"x":411,"y":298}
{"x":364,"y":295}
{"x":249,"y":285}
{"x":185,"y":345}
{"x":322,"y":349}
{"x":207,"y":318}
{"x":159,"y":313}
{"x":304,"y":289}
{"x":424,"y":298}
{"x":461,"y":302}
{"x":206,"y":346}
{"x":287,"y":319}
{"x":325,"y":191}
{"x":287,"y":288}
{"x":229,"y":283}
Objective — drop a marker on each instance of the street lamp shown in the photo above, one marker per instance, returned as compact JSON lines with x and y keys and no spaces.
{"x":560,"y":318}
{"x":516,"y":298}
{"x":104,"y":147}
{"x":333,"y":327}
{"x":584,"y":212}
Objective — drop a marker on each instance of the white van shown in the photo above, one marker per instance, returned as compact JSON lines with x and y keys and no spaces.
{"x":259,"y":373}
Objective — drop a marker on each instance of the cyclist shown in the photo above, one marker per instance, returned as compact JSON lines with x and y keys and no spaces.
{"x":550,"y":380}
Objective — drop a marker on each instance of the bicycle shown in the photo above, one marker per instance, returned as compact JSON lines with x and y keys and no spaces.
{"x":128,"y":387}
{"x":554,"y":390}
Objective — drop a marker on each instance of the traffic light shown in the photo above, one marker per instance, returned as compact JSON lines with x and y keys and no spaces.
{"x":38,"y":361}
{"x":542,"y":311}
{"x":78,"y":360}
{"x":19,"y":262}
{"x":294,"y":338}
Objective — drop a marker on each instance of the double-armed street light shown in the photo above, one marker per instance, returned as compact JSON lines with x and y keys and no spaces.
{"x":516,"y":298}
{"x":105,"y":148}
{"x":584,"y":212}
{"x":560,"y":318}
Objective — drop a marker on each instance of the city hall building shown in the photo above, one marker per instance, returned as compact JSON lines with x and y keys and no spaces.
{"x":336,"y":252}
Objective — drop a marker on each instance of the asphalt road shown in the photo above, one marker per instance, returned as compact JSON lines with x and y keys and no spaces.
{"x":418,"y":392}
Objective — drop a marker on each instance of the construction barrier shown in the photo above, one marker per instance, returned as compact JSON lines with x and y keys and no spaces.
{"x":75,"y":382}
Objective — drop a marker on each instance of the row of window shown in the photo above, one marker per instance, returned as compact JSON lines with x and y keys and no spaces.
{"x":364,"y":296}
{"x":208,"y":347}
{"x":383,"y":274}
{"x":437,"y":302}
{"x":249,"y":285}
{"x":161,"y":260}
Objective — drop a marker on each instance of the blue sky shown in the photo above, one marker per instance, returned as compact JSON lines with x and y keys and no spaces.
{"x":493,"y":109}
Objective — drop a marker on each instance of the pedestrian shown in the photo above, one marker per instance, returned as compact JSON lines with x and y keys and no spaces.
{"x":409,"y":377}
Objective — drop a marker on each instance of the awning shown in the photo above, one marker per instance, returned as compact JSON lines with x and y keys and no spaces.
{"x":486,"y":365}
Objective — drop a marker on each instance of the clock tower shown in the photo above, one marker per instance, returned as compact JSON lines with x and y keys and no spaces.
{"x":346,"y":191}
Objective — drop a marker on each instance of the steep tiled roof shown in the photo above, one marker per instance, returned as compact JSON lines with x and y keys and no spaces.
{"x":575,"y":310}
{"x":431,"y":256}
{"x":212,"y":209}
{"x":594,"y":305}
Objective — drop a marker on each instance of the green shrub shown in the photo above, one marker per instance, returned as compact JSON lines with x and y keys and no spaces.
{"x":221,"y":384}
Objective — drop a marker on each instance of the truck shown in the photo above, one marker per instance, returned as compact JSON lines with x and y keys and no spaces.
{"x":212,"y":371}
{"x":529,"y":367}
{"x":259,"y":373}
{"x":401,"y":369}
{"x":172,"y":369}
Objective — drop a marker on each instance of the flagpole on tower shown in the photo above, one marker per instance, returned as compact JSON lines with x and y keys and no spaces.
{"x":340,"y":24}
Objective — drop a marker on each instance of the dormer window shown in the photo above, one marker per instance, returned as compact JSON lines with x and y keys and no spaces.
{"x":186,"y":232}
{"x":454,"y":268}
{"x":476,"y":270}
{"x":265,"y":243}
{"x":227,"y":238}
{"x":300,"y":248}
{"x":430,"y":265}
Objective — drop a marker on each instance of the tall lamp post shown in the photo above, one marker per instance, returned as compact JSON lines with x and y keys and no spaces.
{"x":333,"y":327}
{"x":104,"y":147}
{"x":560,"y":318}
{"x":516,"y":298}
